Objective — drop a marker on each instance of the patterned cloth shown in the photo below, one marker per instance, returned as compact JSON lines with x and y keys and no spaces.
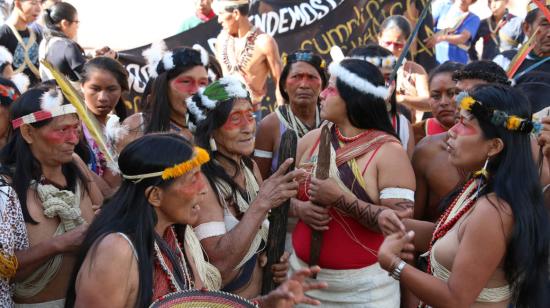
{"x":13,"y":234}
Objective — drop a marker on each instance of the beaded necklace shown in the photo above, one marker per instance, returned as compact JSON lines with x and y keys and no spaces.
{"x":460,"y":206}
{"x":172,"y":282}
{"x":351,"y":139}
{"x":238,"y":62}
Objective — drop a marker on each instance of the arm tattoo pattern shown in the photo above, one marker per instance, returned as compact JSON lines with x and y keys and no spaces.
{"x":366,"y":214}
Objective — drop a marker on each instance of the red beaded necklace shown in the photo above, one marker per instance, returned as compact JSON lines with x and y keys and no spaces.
{"x":344,"y":139}
{"x":443,"y":226}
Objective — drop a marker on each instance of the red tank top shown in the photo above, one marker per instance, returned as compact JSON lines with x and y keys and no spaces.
{"x":346,"y":245}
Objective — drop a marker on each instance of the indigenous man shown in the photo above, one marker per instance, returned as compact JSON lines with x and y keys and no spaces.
{"x":435,"y":177}
{"x":55,"y":192}
{"x":535,"y":24}
{"x":245,"y":51}
{"x":21,"y":40}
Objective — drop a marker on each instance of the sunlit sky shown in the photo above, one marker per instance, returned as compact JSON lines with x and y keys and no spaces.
{"x":125,"y":24}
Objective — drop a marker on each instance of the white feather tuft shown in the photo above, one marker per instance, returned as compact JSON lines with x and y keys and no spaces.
{"x":207,"y":102}
{"x":234,"y":87}
{"x":168,"y":61}
{"x":51,"y":100}
{"x":5,"y":55}
{"x":195,"y":110}
{"x":336,"y":54}
{"x":21,"y":81}
{"x":114,"y":131}
{"x":113,"y":166}
{"x":204,"y":54}
{"x":154,"y":55}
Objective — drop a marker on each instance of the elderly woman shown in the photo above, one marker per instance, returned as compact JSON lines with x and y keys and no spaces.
{"x":500,"y":206}
{"x":139,"y":248}
{"x":370,"y":173}
{"x":302,"y":79}
{"x":55,"y":191}
{"x":232,"y":223}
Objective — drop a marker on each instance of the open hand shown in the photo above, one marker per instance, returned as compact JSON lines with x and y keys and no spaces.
{"x":293,"y":290}
{"x":396,"y":246}
{"x":279,"y":187}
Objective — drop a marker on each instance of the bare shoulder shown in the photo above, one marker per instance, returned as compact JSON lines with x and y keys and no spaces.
{"x":268,"y":125}
{"x":430,"y":144}
{"x":488,"y":207}
{"x":111,"y":252}
{"x":266,"y":42}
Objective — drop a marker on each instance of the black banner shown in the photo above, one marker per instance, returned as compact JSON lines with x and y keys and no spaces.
{"x":306,"y":24}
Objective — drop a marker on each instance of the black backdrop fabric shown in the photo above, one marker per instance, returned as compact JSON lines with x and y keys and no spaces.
{"x":296,"y":24}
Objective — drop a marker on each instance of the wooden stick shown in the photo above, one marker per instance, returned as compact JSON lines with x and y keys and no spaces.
{"x":278,"y":218}
{"x":322,"y":173}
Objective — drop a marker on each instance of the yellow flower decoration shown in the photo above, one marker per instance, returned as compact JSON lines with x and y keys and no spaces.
{"x":284,"y":59}
{"x":323,"y":64}
{"x":513,"y":122}
{"x":467,"y":102}
{"x":199,"y":159}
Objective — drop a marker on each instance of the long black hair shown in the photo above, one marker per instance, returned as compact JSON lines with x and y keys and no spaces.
{"x":514,"y":179}
{"x":205,"y":129}
{"x":157,"y":109}
{"x":16,"y":157}
{"x":129,"y":211}
{"x":365,"y":111}
{"x":55,"y":14}
{"x":117,"y":71}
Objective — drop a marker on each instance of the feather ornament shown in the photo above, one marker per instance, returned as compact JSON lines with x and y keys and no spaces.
{"x":21,"y":81}
{"x":154,"y":55}
{"x":76,"y":99}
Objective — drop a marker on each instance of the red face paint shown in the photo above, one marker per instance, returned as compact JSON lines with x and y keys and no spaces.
{"x":237,"y":119}
{"x":188,"y":85}
{"x":65,"y":134}
{"x":330,"y":91}
{"x":461,"y":129}
{"x":305,"y":80}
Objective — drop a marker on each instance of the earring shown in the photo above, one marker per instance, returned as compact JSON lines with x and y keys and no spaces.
{"x":213,"y":146}
{"x":483,"y":172}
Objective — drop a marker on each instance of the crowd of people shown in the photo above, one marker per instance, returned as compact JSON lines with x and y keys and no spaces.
{"x":437,"y":188}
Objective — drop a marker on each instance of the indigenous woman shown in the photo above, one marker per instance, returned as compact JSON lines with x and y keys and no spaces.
{"x":103,"y":82}
{"x":55,"y":191}
{"x":139,"y":248}
{"x":366,"y":157}
{"x":385,"y":61}
{"x":58,"y":46}
{"x":233,"y":223}
{"x":443,"y":107}
{"x":500,"y":207}
{"x":302,"y":79}
{"x":412,"y":79}
{"x":178,"y":74}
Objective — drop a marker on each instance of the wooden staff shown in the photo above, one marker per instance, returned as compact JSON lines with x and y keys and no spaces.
{"x":278,"y":218}
{"x":322,"y":172}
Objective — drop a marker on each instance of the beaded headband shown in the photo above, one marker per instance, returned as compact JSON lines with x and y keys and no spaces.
{"x":356,"y":82}
{"x":200,"y":157}
{"x":497,"y":117}
{"x":208,"y":98}
{"x":51,"y":105}
{"x":387,"y":62}
{"x":304,"y":56}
